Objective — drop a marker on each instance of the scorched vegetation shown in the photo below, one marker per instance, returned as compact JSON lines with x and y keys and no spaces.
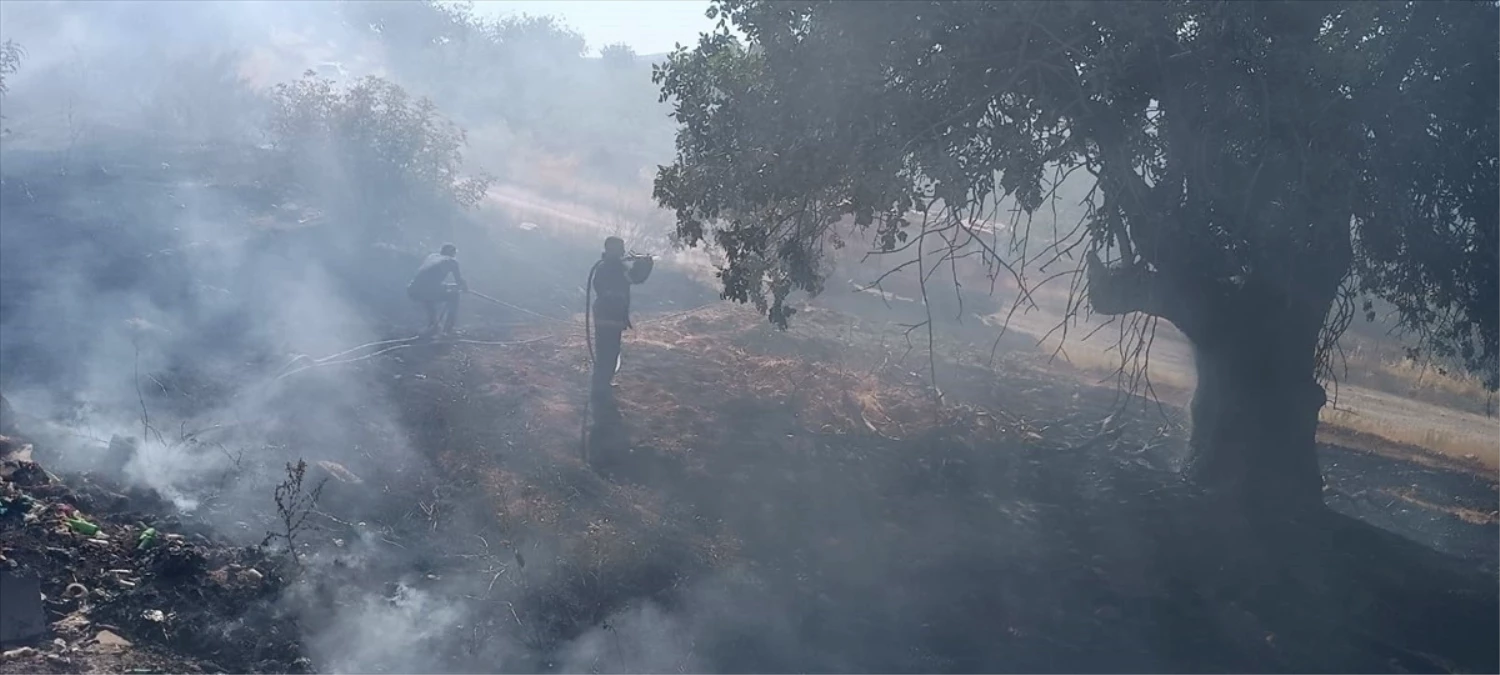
{"x":223,"y":447}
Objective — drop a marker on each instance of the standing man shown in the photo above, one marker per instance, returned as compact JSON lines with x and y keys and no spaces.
{"x":610,"y":281}
{"x":428,"y":288}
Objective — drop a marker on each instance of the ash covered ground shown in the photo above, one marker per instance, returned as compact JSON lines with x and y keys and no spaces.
{"x":773,"y":501}
{"x":223,"y":451}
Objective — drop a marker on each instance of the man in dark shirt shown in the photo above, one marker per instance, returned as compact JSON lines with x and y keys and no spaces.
{"x":428,"y":288}
{"x":612,"y":277}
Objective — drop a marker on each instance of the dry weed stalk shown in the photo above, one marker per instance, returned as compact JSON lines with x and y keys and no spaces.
{"x":294,"y":503}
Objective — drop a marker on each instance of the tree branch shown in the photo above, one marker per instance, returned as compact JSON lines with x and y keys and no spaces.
{"x":1122,"y":289}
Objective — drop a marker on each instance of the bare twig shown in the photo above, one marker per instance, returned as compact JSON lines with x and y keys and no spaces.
{"x":293,"y":505}
{"x":146,"y":429}
{"x":937,"y":392}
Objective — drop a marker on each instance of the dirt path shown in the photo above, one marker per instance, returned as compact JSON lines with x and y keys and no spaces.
{"x":529,"y":205}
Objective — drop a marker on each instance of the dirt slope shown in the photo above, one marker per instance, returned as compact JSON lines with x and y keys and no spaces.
{"x":798,"y":501}
{"x":794,"y":481}
{"x":791,"y":502}
{"x":1400,"y":425}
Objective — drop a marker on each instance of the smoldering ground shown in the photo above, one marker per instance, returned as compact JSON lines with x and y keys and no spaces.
{"x":152,"y":293}
{"x":159,"y":291}
{"x":197,"y":343}
{"x":142,"y":300}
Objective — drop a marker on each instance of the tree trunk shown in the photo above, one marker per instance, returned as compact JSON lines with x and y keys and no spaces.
{"x":1255,"y":409}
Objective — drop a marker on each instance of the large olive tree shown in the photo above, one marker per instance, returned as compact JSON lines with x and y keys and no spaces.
{"x":1255,"y":163}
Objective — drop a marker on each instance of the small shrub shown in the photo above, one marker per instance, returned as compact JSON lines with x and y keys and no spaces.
{"x":294,"y":503}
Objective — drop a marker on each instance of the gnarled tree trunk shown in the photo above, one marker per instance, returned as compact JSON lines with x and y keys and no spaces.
{"x":1255,"y":409}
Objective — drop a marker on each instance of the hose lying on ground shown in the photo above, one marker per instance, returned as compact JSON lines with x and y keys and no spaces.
{"x":303,"y":357}
{"x":502,"y":303}
{"x":321,"y":363}
{"x":409,"y":342}
{"x":588,"y":339}
{"x":335,"y":359}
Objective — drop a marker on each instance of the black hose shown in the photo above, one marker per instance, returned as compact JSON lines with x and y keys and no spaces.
{"x":588,"y":310}
{"x":588,"y":338}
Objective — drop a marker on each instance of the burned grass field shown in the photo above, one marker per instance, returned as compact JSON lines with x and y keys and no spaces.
{"x":226,"y":451}
{"x":839,"y":520}
{"x":769,"y":501}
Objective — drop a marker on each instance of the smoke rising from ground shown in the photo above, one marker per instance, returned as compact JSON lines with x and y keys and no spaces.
{"x":170,"y":253}
{"x":234,"y":305}
{"x":157,"y":280}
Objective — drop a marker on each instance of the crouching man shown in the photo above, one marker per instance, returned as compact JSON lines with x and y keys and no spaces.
{"x":429,"y":289}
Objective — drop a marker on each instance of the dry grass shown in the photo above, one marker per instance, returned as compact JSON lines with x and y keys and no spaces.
{"x":689,"y":376}
{"x":1171,"y":381}
{"x":632,"y":208}
{"x":1430,"y":383}
{"x":1478,"y":451}
{"x":561,"y":177}
{"x":729,"y":425}
{"x":828,"y":393}
{"x":852,"y":399}
{"x":1473,"y":444}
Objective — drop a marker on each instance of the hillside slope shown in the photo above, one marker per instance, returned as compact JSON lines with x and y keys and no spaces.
{"x":788,"y":501}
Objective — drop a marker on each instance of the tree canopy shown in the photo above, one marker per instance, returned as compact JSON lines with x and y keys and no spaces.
{"x":1279,"y":143}
{"x":390,"y":155}
{"x":527,"y":77}
{"x":10,"y":60}
{"x":1255,"y":166}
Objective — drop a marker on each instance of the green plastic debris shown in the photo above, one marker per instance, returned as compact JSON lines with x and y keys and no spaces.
{"x":82,"y":526}
{"x":148,"y":539}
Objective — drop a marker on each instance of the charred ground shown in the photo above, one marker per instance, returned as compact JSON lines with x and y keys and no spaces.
{"x":775,"y":501}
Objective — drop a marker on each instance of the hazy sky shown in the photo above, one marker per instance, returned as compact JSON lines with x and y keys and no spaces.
{"x":648,"y":26}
